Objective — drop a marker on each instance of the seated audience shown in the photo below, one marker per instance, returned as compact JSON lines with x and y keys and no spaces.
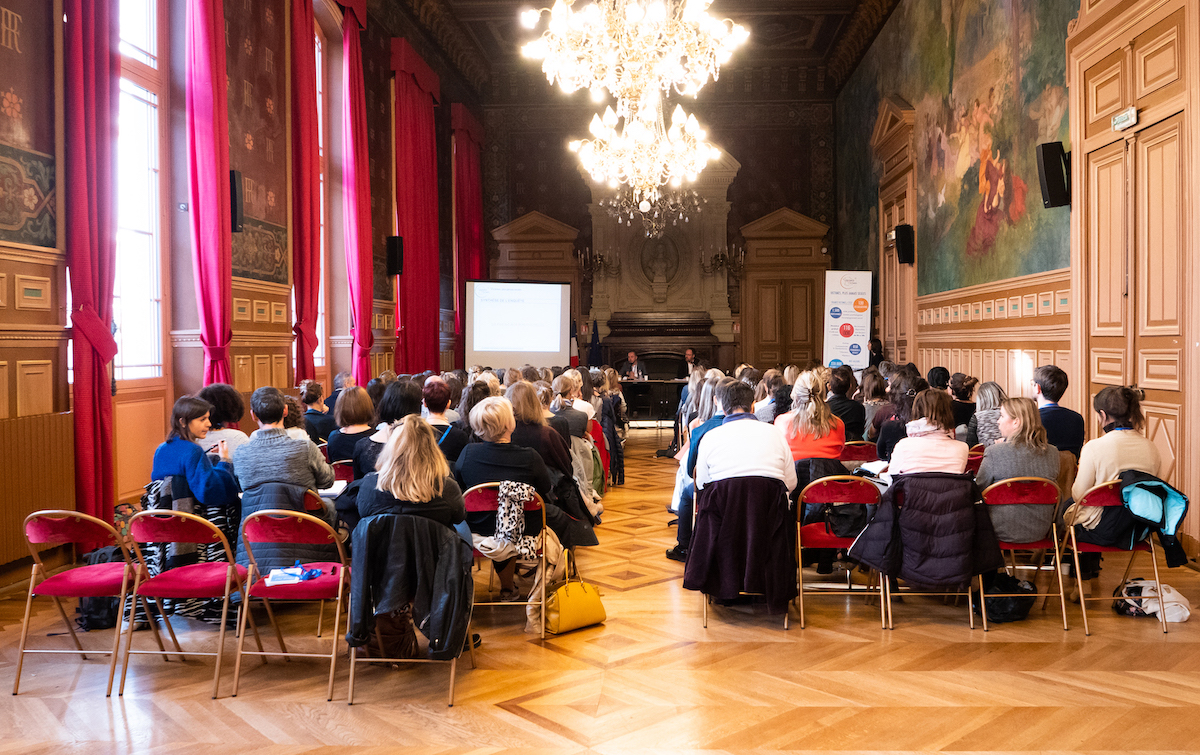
{"x":435,"y":398}
{"x":227,"y":411}
{"x":293,"y":422}
{"x":852,"y":414}
{"x":455,"y":387}
{"x":565,"y":405}
{"x":375,"y":389}
{"x":1022,"y":452}
{"x":181,"y":456}
{"x":1064,"y":428}
{"x":711,"y":413}
{"x":790,"y":373}
{"x":471,"y":396}
{"x":903,"y":391}
{"x":353,"y":414}
{"x":412,"y":478}
{"x":614,"y":421}
{"x":532,"y":431}
{"x":577,"y":399}
{"x":764,"y":395}
{"x":929,"y":444}
{"x":961,"y":389}
{"x":783,"y":402}
{"x":984,"y":426}
{"x":1122,"y":447}
{"x":400,"y":399}
{"x":559,"y":424}
{"x":317,"y":418}
{"x":742,"y":446}
{"x":272,"y":456}
{"x":497,"y":459}
{"x":810,"y":429}
{"x":873,"y":392}
{"x":341,"y":381}
{"x":938,"y":377}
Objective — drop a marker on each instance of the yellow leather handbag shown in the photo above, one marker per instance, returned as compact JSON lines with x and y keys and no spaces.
{"x":573,"y":604}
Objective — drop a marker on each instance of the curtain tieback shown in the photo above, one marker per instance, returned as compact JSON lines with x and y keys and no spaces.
{"x":88,"y":324}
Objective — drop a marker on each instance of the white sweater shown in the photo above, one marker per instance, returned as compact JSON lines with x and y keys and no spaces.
{"x":744,"y":448}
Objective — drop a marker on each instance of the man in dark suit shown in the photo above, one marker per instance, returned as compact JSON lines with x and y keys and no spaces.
{"x":1064,"y":428}
{"x":688,"y":364}
{"x":632,"y":370}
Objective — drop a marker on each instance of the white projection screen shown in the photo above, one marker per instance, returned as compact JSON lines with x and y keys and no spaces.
{"x":511,"y":323}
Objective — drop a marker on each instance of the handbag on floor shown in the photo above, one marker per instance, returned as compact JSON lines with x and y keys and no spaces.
{"x":573,"y":604}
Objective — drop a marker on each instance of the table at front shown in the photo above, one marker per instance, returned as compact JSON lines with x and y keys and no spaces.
{"x":652,"y":399}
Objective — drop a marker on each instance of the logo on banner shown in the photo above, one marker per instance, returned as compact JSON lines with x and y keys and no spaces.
{"x":849,"y":281}
{"x":846,"y":330}
{"x":860,"y":305}
{"x":835,"y":363}
{"x":835,"y":313}
{"x":855,"y":349}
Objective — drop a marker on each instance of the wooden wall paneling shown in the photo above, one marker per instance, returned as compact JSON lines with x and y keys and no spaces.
{"x":279,"y":372}
{"x":35,"y":387}
{"x":1159,"y":70}
{"x":5,"y":412}
{"x":1161,"y":214}
{"x":243,"y":373}
{"x":262,"y":371}
{"x":134,"y":451}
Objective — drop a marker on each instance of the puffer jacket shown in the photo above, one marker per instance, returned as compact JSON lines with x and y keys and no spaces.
{"x":401,"y":559}
{"x":930,"y":531}
{"x":278,"y":495}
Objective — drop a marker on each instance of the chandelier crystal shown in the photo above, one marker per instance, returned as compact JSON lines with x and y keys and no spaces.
{"x":629,"y":47}
{"x":638,"y":150}
{"x":673,"y":207}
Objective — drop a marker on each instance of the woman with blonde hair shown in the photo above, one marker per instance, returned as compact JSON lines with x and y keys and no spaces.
{"x":810,"y":428}
{"x":559,"y":424}
{"x":1022,"y":451}
{"x":412,"y":477}
{"x":790,"y":373}
{"x":532,"y":430}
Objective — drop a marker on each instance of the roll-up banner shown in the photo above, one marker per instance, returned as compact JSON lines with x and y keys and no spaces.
{"x":847,"y":318}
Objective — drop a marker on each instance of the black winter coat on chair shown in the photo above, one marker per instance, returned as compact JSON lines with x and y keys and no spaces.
{"x":400,"y":559}
{"x":744,"y":541}
{"x":930,"y":531}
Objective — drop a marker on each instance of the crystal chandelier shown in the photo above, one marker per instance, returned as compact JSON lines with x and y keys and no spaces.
{"x":640,"y":151}
{"x":629,"y":47}
{"x":671,"y":208}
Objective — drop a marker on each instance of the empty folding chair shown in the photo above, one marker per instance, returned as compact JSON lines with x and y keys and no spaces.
{"x":859,"y":450}
{"x":91,"y":581}
{"x":284,"y":526}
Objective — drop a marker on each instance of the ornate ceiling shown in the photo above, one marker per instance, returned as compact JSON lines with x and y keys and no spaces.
{"x":813,"y":44}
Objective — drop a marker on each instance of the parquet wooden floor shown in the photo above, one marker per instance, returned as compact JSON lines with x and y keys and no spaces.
{"x":651,"y":679}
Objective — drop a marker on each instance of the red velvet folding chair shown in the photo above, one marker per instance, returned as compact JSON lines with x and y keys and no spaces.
{"x":973,"y":462}
{"x":217,"y":579}
{"x":1030,"y":491}
{"x":343,"y":470}
{"x":1109,"y":494}
{"x":859,"y":450}
{"x":486,"y":497}
{"x":324,"y":449}
{"x":89,"y":581}
{"x":977,"y":450}
{"x":832,"y":491}
{"x":284,"y":526}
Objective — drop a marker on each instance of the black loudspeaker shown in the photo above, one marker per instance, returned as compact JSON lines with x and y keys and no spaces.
{"x":1054,"y":171}
{"x":395,"y":255}
{"x":906,"y":247}
{"x":235,"y":201}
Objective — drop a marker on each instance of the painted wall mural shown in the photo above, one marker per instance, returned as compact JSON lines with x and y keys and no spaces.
{"x":256,"y":68}
{"x":987,"y":81}
{"x":27,"y":181}
{"x":377,"y":85}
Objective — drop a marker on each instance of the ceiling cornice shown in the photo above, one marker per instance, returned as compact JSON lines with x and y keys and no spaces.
{"x":449,"y":33}
{"x":864,"y":25}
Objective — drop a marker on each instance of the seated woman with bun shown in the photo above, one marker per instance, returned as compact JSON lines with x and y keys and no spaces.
{"x":929,"y":444}
{"x":228,"y":408}
{"x":1022,"y":451}
{"x":962,"y":389}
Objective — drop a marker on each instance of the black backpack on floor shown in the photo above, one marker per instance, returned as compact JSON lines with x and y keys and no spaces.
{"x":99,"y":613}
{"x":1001,"y":610}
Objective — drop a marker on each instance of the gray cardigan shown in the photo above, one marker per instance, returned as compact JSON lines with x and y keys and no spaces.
{"x":272,"y":456}
{"x":1019,"y":523}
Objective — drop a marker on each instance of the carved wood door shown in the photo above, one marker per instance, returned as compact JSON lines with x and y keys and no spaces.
{"x":1135,"y":241}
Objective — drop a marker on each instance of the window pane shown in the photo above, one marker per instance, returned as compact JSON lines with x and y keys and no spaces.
{"x":139,"y":30}
{"x":137,"y":298}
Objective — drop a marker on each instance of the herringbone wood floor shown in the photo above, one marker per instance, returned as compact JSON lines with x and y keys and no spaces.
{"x":651,"y":679}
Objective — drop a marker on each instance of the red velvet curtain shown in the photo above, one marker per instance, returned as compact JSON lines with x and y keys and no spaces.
{"x":92,"y":72}
{"x":356,"y":192}
{"x":306,"y":188}
{"x":417,"y":88}
{"x":208,"y":183}
{"x":468,"y":212}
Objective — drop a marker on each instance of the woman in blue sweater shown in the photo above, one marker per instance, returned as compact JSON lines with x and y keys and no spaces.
{"x":211,"y":491}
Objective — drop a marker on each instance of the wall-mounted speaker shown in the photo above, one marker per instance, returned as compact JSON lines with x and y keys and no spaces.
{"x":236,"y":215}
{"x":906,"y":247}
{"x":395,"y":255}
{"x":1054,"y":171}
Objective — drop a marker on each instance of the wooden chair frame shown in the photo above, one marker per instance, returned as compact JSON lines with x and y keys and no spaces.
{"x":1112,"y":488}
{"x":233,"y":581}
{"x":841,"y":543}
{"x":541,"y":540}
{"x":1050,"y":490}
{"x":255,"y":575}
{"x":40,"y":574}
